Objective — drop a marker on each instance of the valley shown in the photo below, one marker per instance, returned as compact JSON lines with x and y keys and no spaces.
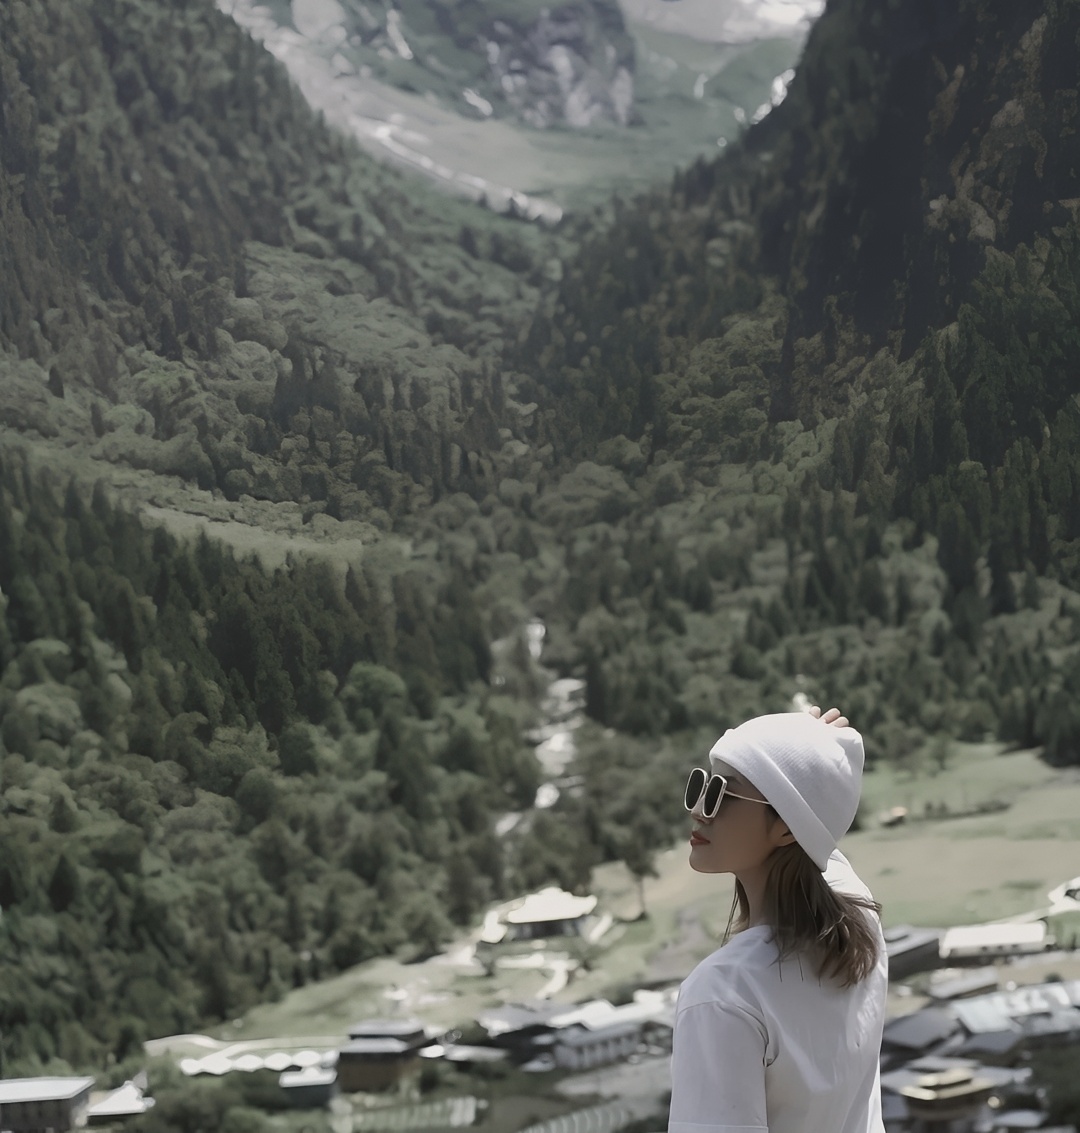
{"x":298,"y":449}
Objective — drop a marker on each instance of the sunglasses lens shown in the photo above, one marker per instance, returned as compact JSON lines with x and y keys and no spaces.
{"x":694,"y":786}
{"x":714,"y":792}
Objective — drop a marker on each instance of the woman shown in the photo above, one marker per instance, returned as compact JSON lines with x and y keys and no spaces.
{"x":780,"y":1028}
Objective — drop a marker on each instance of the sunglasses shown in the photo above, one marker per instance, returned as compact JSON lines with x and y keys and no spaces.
{"x":710,"y":791}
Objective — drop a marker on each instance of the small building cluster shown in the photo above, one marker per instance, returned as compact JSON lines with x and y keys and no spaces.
{"x":961,"y":1063}
{"x":537,"y":1035}
{"x":541,"y":1035}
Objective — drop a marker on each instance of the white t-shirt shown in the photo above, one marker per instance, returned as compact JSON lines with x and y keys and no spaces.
{"x":765,"y":1046}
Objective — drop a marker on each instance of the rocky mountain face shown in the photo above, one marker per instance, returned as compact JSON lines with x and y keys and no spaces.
{"x":569,"y":64}
{"x":574,"y":66}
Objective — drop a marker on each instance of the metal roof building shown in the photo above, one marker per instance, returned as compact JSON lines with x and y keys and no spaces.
{"x":37,"y":1105}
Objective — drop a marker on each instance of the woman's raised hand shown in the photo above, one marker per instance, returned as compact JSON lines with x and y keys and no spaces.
{"x":832,"y":716}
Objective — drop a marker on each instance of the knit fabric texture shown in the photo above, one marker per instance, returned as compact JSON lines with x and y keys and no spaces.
{"x":810,"y":772}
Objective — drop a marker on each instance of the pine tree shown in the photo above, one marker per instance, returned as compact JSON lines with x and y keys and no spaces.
{"x":65,"y":885}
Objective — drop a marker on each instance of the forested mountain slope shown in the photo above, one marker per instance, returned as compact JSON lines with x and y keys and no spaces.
{"x":216,"y":784}
{"x":829,"y":386}
{"x":212,"y":303}
{"x":204,"y":281}
{"x":916,"y":141}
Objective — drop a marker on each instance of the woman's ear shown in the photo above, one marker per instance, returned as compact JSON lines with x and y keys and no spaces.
{"x":779,"y":834}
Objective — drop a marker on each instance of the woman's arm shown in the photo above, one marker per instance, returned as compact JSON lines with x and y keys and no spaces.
{"x":717,"y":1071}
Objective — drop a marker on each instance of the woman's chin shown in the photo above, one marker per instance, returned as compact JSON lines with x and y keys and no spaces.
{"x":699,"y":862}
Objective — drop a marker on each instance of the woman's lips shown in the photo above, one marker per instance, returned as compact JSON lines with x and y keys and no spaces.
{"x":697,"y":840}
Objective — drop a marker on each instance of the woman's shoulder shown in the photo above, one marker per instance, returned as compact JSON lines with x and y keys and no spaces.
{"x":732,"y":971}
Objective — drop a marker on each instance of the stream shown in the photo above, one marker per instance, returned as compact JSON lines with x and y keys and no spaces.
{"x":562,"y":712}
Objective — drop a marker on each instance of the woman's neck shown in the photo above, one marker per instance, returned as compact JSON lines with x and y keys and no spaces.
{"x":753,"y":885}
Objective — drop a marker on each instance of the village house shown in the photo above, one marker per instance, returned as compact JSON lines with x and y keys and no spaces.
{"x":920,"y":1033}
{"x":129,"y":1100}
{"x":550,"y":913}
{"x":44,"y":1105}
{"x":946,"y":1093}
{"x":580,"y":1036}
{"x":380,"y":1053}
{"x":515,"y":1026}
{"x":1019,"y":1009}
{"x":582,"y":1048}
{"x":911,"y":950}
{"x":310,"y":1088}
{"x":982,"y":942}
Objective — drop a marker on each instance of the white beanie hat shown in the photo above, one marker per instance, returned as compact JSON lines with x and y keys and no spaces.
{"x":810,"y":772}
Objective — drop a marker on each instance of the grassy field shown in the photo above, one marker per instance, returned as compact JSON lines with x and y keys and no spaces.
{"x":929,"y":871}
{"x":973,"y":867}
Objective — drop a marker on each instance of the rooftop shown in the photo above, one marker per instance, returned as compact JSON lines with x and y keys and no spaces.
{"x":127,"y":1101}
{"x":999,"y":1011}
{"x":583,"y":1036}
{"x":646,"y":1007}
{"x":551,"y":904}
{"x":14,"y":1090}
{"x":376,"y":1046}
{"x":519,"y":1016}
{"x":1005,"y":935}
{"x":920,"y":1029}
{"x":309,"y":1076}
{"x":915,"y":1074}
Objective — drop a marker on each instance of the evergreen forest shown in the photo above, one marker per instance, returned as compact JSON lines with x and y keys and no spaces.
{"x":294,"y":448}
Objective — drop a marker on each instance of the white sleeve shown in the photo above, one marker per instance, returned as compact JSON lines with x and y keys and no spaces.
{"x":717,"y":1071}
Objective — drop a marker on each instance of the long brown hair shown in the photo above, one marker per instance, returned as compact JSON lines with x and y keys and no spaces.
{"x":811,"y":919}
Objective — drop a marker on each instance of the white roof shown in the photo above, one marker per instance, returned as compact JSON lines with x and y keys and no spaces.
{"x":309,"y":1076}
{"x":124,"y":1102}
{"x":1065,"y":893}
{"x":551,"y":904}
{"x":42,"y":1089}
{"x":599,"y":1013}
{"x":216,"y":1064}
{"x":976,"y":935}
{"x":494,"y":929}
